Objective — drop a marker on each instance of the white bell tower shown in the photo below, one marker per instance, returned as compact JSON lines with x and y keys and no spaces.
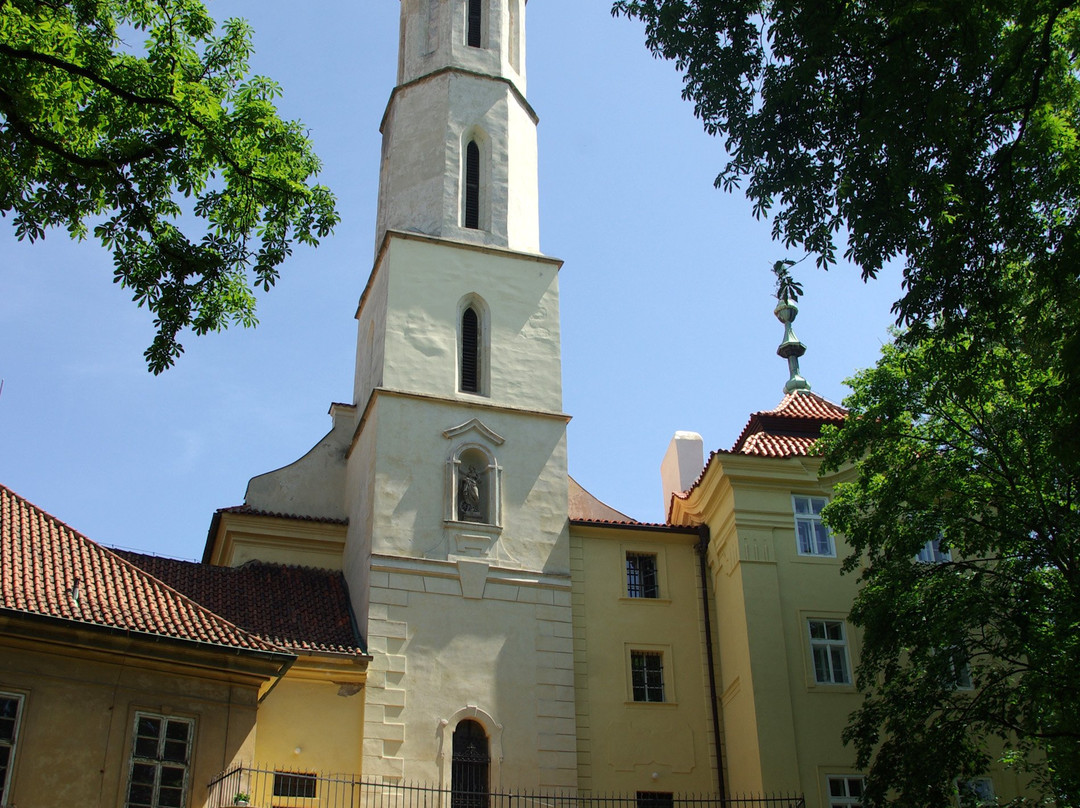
{"x":456,"y":493}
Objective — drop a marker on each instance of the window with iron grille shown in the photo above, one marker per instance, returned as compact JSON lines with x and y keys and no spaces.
{"x":647,"y":675}
{"x":472,"y":186}
{"x":295,"y":784}
{"x":470,"y":351}
{"x":655,"y":799}
{"x":469,"y":766}
{"x":845,"y":792}
{"x":641,"y":577}
{"x":160,"y":757}
{"x":10,"y":711}
{"x":474,"y":38}
{"x":828,"y":647}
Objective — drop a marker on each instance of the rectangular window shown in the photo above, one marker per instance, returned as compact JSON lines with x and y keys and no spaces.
{"x":10,"y":711}
{"x":976,"y":791}
{"x":641,"y":578}
{"x":290,"y":784}
{"x":813,"y":537}
{"x":647,"y":675}
{"x":655,"y":799}
{"x":845,"y":792}
{"x":828,"y":647}
{"x":931,"y":553}
{"x":160,"y":758}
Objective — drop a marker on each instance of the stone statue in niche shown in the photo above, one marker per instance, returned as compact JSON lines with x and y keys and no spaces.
{"x":468,"y":502}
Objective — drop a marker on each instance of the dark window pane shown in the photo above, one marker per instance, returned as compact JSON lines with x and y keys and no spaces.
{"x":470,"y":351}
{"x":474,"y":38}
{"x":472,"y":186}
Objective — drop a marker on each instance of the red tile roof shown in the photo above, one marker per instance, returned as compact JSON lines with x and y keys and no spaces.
{"x":791,"y":428}
{"x":247,"y":509}
{"x":297,"y":608}
{"x":50,"y":570}
{"x":788,"y":430}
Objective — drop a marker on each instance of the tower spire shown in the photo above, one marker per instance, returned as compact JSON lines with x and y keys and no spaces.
{"x":791,"y":348}
{"x":459,"y":137}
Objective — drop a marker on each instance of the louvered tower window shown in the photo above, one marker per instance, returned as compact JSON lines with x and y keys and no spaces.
{"x":469,"y":768}
{"x":472,"y":186}
{"x":474,"y":22}
{"x":470,"y":351}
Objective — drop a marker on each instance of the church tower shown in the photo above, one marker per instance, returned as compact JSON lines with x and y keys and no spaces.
{"x":457,"y":551}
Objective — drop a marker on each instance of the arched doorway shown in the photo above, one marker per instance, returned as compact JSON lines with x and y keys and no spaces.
{"x":470,"y":766}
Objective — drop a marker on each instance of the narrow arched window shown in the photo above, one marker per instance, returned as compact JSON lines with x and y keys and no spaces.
{"x":473,"y":37}
{"x":472,"y":185}
{"x":470,"y":351}
{"x":469,"y":767}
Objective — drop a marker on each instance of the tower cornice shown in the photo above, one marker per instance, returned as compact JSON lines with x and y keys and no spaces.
{"x":461,"y":71}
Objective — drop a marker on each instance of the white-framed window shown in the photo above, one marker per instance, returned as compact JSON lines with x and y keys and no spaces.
{"x":647,"y":675}
{"x":845,"y":791}
{"x":976,"y":791}
{"x":814,"y":539}
{"x":931,"y":553}
{"x":10,"y":713}
{"x":828,"y":650}
{"x":160,"y":761}
{"x":642,"y":575}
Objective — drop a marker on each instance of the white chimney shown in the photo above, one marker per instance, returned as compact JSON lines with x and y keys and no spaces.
{"x":682,"y":463}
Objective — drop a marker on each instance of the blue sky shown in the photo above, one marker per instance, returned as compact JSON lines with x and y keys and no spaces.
{"x":666,"y":295}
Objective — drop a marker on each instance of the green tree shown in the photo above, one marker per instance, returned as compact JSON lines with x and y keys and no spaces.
{"x":942,"y":134}
{"x":965,"y":439}
{"x":175,"y":158}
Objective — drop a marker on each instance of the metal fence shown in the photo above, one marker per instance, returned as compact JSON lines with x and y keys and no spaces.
{"x":269,"y":788}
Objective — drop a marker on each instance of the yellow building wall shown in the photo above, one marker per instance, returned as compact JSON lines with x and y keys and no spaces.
{"x":312,"y":721}
{"x":625,"y":746}
{"x":75,"y":734}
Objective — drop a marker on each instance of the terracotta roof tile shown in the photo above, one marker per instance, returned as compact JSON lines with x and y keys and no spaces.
{"x":51,"y":570}
{"x":789,"y":429}
{"x":296,"y":608}
{"x":247,"y":509}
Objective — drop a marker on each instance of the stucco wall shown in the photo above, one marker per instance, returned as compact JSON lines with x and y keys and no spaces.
{"x":76,"y":732}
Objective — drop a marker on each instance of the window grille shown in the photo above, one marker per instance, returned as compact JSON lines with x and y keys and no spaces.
{"x":655,"y":799}
{"x":470,"y":351}
{"x":472,"y":186}
{"x":641,"y":577}
{"x":647,"y":675}
{"x":291,"y":784}
{"x":469,"y":767}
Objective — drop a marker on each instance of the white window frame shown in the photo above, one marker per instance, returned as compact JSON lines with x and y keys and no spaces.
{"x":931,"y":553}
{"x":810,"y":520}
{"x":847,"y":799}
{"x":835,"y":650}
{"x":11,"y":746}
{"x":158,"y":761}
{"x":649,"y":653}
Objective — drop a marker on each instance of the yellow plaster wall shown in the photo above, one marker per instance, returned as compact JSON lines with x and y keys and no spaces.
{"x":313,"y":720}
{"x":75,"y":734}
{"x":625,"y":746}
